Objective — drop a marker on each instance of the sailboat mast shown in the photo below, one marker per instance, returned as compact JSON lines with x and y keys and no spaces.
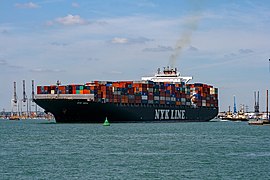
{"x":267,"y":105}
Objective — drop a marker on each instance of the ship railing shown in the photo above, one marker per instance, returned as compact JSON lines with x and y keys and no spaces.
{"x":89,"y":97}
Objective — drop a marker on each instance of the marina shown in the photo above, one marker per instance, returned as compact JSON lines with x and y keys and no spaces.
{"x":253,"y":118}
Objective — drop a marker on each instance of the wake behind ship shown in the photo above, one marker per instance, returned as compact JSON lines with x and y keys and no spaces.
{"x":165,"y":97}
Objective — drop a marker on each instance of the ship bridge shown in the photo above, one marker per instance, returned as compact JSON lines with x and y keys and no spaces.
{"x":168,"y":75}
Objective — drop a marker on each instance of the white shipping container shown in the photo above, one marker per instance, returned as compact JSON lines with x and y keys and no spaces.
{"x":144,"y":97}
{"x":162,"y":98}
{"x":150,"y":90}
{"x":52,"y":92}
{"x":212,"y":90}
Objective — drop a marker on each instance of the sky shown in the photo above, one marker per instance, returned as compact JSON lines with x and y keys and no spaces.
{"x":223,"y":43}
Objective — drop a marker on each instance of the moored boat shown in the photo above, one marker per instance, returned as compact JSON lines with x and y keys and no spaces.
{"x":255,"y":122}
{"x":14,"y":118}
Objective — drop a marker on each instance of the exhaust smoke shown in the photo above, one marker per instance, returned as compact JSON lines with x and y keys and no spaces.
{"x":190,"y":25}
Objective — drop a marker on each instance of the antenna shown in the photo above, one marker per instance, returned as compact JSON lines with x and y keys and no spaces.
{"x":267,"y":104}
{"x":256,"y":106}
{"x":15,"y":95}
{"x":24,"y":102}
{"x":58,"y":83}
{"x":247,"y":108}
{"x":24,"y":94}
{"x":33,"y":91}
{"x":14,"y":102}
{"x":255,"y":100}
{"x":234,"y":105}
{"x":32,"y":100}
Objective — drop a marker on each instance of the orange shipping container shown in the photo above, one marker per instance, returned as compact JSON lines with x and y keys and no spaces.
{"x":86,"y":91}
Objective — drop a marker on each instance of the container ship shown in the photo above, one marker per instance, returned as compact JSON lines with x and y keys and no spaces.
{"x":165,"y":97}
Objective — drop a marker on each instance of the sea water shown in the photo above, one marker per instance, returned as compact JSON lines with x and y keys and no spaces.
{"x":40,"y":149}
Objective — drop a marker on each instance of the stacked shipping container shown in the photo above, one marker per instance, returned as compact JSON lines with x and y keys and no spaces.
{"x":140,"y":92}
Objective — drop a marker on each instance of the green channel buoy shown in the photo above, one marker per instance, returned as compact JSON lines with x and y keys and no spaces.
{"x":106,"y":122}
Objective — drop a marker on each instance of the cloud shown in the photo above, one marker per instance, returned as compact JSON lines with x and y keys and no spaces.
{"x":158,"y":49}
{"x":245,"y":51}
{"x":40,"y":70}
{"x":3,"y":62}
{"x":139,"y":40}
{"x":15,"y":66}
{"x":115,"y":72}
{"x":231,"y":55}
{"x":192,"y":48}
{"x":118,"y":40}
{"x":93,"y":59}
{"x":58,"y":44}
{"x":100,"y":22}
{"x":69,"y":20}
{"x":28,"y":5}
{"x":6,"y":64}
{"x":240,"y":52}
{"x":75,"y":5}
{"x":4,"y":31}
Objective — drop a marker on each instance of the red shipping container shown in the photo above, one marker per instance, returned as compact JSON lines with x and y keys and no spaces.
{"x":38,"y":89}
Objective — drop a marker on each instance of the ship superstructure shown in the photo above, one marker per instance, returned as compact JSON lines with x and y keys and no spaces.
{"x":168,"y":75}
